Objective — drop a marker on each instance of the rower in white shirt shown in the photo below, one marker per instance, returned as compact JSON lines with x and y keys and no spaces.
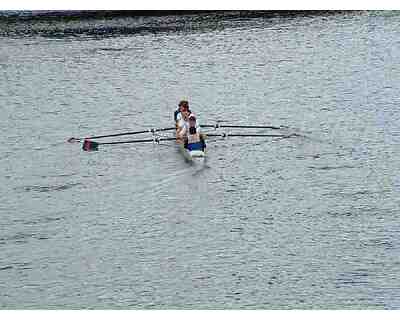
{"x":183,"y":105}
{"x":182,"y":123}
{"x":190,"y":133}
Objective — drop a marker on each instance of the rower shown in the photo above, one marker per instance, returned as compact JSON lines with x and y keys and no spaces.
{"x":183,"y":105}
{"x":182,"y":125}
{"x":194,"y":140}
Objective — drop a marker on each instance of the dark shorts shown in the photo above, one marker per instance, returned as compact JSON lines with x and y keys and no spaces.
{"x":196,"y":146}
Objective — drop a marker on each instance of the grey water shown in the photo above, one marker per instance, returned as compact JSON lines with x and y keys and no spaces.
{"x":307,"y":222}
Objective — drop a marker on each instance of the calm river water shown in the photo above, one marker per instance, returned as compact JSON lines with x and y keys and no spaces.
{"x":307,"y":222}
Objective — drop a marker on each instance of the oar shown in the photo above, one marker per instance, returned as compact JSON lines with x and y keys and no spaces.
{"x":216,"y":126}
{"x":225,"y":135}
{"x":120,"y":134}
{"x":89,"y":145}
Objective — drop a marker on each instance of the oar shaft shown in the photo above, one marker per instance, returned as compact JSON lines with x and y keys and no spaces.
{"x":117,"y":134}
{"x":223,"y":135}
{"x":137,"y":141}
{"x":238,"y":126}
{"x":130,"y":133}
{"x":89,"y":145}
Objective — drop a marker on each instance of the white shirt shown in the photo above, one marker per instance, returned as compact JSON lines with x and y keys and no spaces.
{"x":184,"y":127}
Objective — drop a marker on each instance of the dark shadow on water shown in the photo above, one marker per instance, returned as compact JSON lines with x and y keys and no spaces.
{"x":102,"y":24}
{"x":49,"y":188}
{"x":27,"y":15}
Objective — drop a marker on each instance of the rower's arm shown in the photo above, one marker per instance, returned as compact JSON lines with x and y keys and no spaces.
{"x":181,"y":132}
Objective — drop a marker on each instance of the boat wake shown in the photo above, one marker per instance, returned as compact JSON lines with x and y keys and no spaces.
{"x":195,"y":169}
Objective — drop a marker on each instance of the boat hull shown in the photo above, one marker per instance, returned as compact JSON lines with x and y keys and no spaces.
{"x":190,"y":155}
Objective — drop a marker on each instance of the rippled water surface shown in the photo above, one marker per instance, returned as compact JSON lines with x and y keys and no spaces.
{"x":307,"y":222}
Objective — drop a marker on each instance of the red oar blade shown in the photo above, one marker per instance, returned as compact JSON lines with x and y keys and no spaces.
{"x":90,"y":145}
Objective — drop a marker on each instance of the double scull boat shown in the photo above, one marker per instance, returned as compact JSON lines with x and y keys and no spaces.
{"x":90,"y":145}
